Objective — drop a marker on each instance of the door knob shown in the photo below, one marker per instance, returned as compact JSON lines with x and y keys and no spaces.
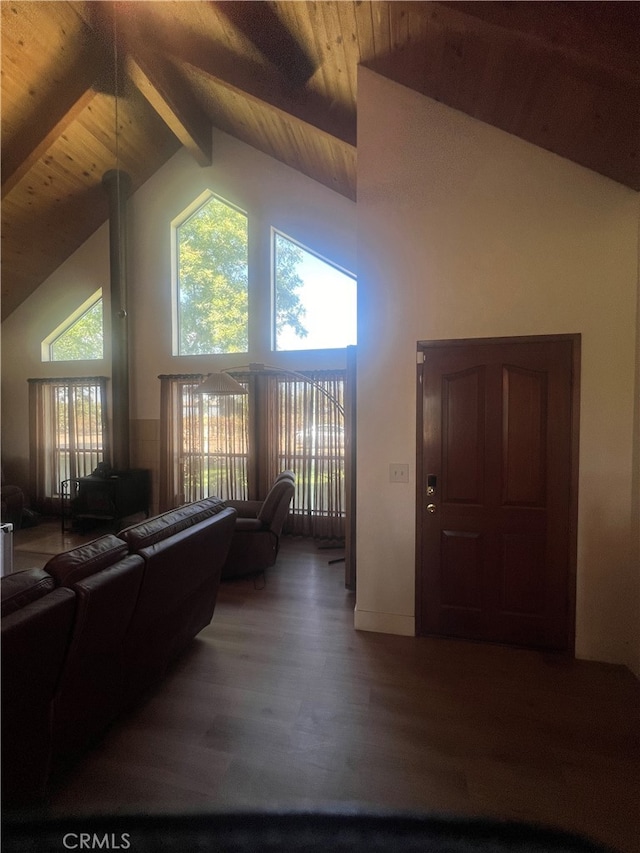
{"x":431,"y":507}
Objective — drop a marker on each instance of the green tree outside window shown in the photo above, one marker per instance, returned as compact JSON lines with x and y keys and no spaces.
{"x":83,"y":340}
{"x":213,"y":282}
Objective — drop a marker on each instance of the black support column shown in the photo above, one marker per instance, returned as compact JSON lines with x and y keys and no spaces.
{"x":118,"y":186}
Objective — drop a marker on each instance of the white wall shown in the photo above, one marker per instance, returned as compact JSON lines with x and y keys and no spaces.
{"x":466,"y":231}
{"x":25,"y":329}
{"x":272,"y":195}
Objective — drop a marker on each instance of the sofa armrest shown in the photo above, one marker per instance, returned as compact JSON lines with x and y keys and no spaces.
{"x":19,"y":589}
{"x":245,"y":509}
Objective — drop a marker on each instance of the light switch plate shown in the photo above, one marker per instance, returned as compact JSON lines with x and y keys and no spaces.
{"x":398,"y":472}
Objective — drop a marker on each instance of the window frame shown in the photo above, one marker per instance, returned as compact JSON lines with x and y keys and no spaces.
{"x":176,"y":223}
{"x":69,"y":323}
{"x":274,"y":231}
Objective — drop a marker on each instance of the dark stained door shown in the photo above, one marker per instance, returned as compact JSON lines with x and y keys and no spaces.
{"x":495,"y":531}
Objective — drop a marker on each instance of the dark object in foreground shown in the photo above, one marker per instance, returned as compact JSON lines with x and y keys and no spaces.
{"x":277,"y":832}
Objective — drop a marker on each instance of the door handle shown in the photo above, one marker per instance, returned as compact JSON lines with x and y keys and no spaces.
{"x":431,"y":508}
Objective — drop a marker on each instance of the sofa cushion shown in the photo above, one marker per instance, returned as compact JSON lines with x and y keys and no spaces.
{"x":21,"y":588}
{"x":153,"y":530}
{"x":75,"y":565}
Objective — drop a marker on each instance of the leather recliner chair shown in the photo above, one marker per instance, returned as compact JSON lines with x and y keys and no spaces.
{"x":256,"y":536}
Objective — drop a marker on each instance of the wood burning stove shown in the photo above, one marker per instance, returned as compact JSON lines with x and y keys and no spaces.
{"x":91,"y":500}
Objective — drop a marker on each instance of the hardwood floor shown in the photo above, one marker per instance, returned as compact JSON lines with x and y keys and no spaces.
{"x":281,"y":703}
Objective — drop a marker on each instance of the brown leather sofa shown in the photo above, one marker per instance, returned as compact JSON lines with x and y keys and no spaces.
{"x":184,"y":551}
{"x":37,"y":621}
{"x":256,"y":536}
{"x":84,"y":637}
{"x":106,"y":581}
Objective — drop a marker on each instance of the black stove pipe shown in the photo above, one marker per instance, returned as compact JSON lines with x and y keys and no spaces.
{"x":118,"y":187}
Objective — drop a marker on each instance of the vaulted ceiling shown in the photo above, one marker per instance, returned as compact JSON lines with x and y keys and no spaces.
{"x":88,"y":86}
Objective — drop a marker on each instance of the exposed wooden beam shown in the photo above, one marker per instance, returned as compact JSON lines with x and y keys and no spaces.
{"x":117,"y":24}
{"x":271,"y":37}
{"x":43,"y":129}
{"x":290,"y":116}
{"x":173,"y":103}
{"x":250,"y":79}
{"x":225,"y":69}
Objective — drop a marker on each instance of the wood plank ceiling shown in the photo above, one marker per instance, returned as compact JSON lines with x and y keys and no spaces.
{"x":282,"y":77}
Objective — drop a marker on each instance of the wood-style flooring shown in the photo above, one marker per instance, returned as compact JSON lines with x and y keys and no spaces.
{"x":281,"y":703}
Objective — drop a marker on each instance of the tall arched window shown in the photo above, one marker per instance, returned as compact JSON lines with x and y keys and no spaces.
{"x":212,"y":283}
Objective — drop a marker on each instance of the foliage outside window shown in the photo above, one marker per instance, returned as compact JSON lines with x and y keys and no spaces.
{"x":314,"y":301}
{"x":80,"y":337}
{"x":212,"y":256}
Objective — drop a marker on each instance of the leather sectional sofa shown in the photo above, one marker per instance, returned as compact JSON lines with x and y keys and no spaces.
{"x":83,"y":638}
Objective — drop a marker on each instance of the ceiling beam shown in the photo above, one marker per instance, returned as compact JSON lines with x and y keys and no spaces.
{"x":254,"y":83}
{"x":271,"y":37}
{"x":44,"y":128}
{"x":117,"y":24}
{"x":289,"y":115}
{"x":248,"y":78}
{"x":174,"y":104}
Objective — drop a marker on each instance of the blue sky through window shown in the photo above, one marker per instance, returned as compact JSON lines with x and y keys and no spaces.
{"x":329,"y":296}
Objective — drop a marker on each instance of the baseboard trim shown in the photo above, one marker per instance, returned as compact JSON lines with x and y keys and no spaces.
{"x":384,"y":623}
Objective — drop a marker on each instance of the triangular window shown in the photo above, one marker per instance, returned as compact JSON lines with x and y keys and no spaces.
{"x":80,"y":337}
{"x":314,"y":300}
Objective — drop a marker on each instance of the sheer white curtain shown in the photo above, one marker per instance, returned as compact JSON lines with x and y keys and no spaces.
{"x":234,"y":446}
{"x":204,"y":443}
{"x":68,"y":433}
{"x":311,"y":442}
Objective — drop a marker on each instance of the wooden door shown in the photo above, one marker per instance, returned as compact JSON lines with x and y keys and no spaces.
{"x":496,"y":533}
